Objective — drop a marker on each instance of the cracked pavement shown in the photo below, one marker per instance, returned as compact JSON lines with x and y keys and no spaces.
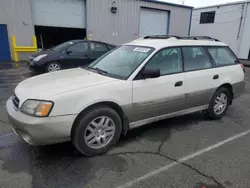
{"x":142,"y":151}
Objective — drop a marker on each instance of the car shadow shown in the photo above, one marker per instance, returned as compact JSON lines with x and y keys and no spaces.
{"x":153,"y":132}
{"x":50,"y":165}
{"x":204,"y":185}
{"x":30,"y":74}
{"x":162,"y":129}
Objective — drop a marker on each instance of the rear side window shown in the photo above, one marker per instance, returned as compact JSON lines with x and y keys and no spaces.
{"x":110,"y":47}
{"x":195,"y":58}
{"x":222,"y":56}
{"x":97,"y":47}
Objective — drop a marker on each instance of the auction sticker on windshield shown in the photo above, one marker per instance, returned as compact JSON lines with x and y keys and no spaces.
{"x":139,"y":49}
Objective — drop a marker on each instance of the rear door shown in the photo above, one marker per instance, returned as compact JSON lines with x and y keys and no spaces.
{"x":227,"y":68}
{"x":96,"y":49}
{"x":76,"y":55}
{"x":155,"y":97}
{"x":201,"y":78}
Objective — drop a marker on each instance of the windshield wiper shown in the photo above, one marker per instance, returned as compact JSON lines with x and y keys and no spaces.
{"x":100,"y":71}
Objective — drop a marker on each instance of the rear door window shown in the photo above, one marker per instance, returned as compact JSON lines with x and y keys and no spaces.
{"x":222,"y":56}
{"x":97,"y":47}
{"x":195,"y":58}
{"x":111,"y":47}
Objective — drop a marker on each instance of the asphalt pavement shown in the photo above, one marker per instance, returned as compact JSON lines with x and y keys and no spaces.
{"x":187,"y":152}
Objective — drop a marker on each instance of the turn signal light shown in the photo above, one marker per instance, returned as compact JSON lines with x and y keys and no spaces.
{"x":43,"y":109}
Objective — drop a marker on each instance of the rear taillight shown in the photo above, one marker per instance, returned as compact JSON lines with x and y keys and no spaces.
{"x":243,"y":68}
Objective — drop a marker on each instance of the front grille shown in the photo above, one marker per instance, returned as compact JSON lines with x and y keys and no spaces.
{"x":15,"y":101}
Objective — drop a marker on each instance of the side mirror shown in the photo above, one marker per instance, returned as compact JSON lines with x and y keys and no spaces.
{"x":151,"y":73}
{"x":68,"y":52}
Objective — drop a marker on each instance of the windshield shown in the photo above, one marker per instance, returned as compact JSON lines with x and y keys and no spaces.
{"x":122,"y":61}
{"x":63,"y":45}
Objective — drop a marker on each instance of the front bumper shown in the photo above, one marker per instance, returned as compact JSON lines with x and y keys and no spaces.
{"x":40,"y":131}
{"x":35,"y":67}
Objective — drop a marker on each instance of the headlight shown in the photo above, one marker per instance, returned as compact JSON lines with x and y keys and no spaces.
{"x":31,"y":58}
{"x":40,"y":57}
{"x":37,"y":108}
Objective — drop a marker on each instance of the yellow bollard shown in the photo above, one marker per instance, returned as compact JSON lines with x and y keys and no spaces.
{"x":17,"y":49}
{"x":14,"y":47}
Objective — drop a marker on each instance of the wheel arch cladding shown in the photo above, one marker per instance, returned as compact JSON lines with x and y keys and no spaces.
{"x":112,"y":105}
{"x":230,"y":89}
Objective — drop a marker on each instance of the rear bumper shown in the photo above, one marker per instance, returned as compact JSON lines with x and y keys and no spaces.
{"x":40,"y":131}
{"x":238,"y":88}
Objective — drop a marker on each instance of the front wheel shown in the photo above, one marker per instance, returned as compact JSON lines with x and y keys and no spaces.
{"x":53,"y":67}
{"x":96,"y":131}
{"x":219,"y":103}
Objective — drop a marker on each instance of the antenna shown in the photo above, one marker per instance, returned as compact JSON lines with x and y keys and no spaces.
{"x":101,"y":38}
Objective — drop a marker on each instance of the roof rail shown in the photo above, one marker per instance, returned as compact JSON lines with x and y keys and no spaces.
{"x":178,"y":37}
{"x":161,"y":36}
{"x":200,"y":38}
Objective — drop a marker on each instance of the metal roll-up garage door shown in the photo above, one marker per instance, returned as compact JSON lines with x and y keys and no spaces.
{"x":153,"y":22}
{"x":59,"y":13}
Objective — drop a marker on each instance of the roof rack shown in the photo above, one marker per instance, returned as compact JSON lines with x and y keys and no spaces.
{"x":161,"y":36}
{"x":200,"y":38}
{"x":179,"y":37}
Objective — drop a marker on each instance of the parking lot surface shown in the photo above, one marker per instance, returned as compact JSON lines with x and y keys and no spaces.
{"x":188,"y":152}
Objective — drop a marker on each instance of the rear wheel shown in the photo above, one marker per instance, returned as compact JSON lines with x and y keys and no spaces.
{"x":96,"y":131}
{"x":219,"y":103}
{"x":53,"y":67}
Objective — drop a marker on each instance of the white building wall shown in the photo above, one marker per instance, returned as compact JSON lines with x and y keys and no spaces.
{"x":226,"y":26}
{"x":124,"y":26}
{"x":17,"y":16}
{"x":245,"y":40}
{"x":99,"y":22}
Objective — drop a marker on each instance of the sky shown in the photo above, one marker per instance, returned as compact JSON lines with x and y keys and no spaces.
{"x":201,"y":3}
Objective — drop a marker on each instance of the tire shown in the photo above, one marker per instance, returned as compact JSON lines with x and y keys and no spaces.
{"x":53,"y":67}
{"x":218,"y":112}
{"x":81,"y":131}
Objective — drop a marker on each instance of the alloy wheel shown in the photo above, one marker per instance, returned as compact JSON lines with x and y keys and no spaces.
{"x":53,"y":67}
{"x":220,"y":103}
{"x":99,"y":132}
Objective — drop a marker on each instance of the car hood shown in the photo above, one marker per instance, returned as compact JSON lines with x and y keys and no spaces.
{"x":41,"y":53}
{"x":51,"y":84}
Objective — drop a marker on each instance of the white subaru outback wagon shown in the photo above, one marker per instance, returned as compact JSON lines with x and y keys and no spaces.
{"x":146,"y":80}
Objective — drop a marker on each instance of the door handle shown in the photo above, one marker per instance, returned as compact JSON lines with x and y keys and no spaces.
{"x":178,"y":84}
{"x":216,"y":77}
{"x":85,"y":57}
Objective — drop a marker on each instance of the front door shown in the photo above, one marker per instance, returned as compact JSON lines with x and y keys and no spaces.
{"x":155,"y":97}
{"x":76,"y":55}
